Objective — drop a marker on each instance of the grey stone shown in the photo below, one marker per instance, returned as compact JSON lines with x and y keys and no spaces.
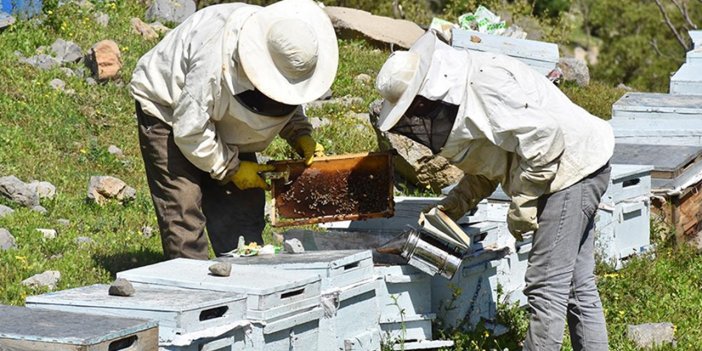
{"x":625,"y":87}
{"x":147,"y":231}
{"x":317,"y":122}
{"x":48,"y":279}
{"x":40,"y":209}
{"x":5,"y":211}
{"x":66,"y":51}
{"x":57,"y":84}
{"x":345,"y":101}
{"x":48,"y":233}
{"x":17,"y":191}
{"x":293,"y":246}
{"x":415,"y":162}
{"x":7,"y":241}
{"x":363,"y":117}
{"x":41,"y":61}
{"x":121,"y":287}
{"x":170,"y":10}
{"x":57,"y":256}
{"x":103,"y":188}
{"x":64,"y":222}
{"x":90,"y":81}
{"x":651,"y":334}
{"x":44,"y":190}
{"x":221,"y":269}
{"x":101,"y":19}
{"x":574,"y":70}
{"x":114,"y":150}
{"x":353,"y":23}
{"x":159,"y":28}
{"x":83,"y":240}
{"x":362,"y":79}
{"x":68,"y":72}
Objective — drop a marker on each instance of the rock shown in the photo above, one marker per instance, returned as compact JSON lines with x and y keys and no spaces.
{"x":221,"y":269}
{"x":90,"y":81}
{"x":68,"y":72}
{"x":57,"y":84}
{"x":114,"y":150}
{"x":7,"y":241}
{"x":44,"y":190}
{"x":317,"y":122}
{"x":48,"y":279}
{"x":40,"y":209}
{"x":147,"y":231}
{"x":580,"y":53}
{"x":353,"y":23}
{"x":41,"y":61}
{"x":170,"y":10}
{"x":651,"y":334}
{"x":625,"y":87}
{"x":363,"y":117}
{"x":18,"y":192}
{"x":104,"y":60}
{"x":121,"y":287}
{"x":362,"y":79}
{"x":5,"y":211}
{"x":346,"y":102}
{"x":83,"y":240}
{"x":102,"y":19}
{"x":159,"y":28}
{"x":293,"y":246}
{"x":66,"y":51}
{"x":57,"y":256}
{"x":574,"y":70}
{"x":64,"y":222}
{"x":103,"y":188}
{"x":415,"y":162}
{"x":48,"y":233}
{"x":143,"y":29}
{"x":6,"y":20}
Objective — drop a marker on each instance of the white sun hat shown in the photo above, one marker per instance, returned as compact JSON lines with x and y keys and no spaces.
{"x":289,"y":52}
{"x":401,"y":77}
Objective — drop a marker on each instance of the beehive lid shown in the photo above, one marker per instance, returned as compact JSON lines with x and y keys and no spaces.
{"x":689,"y":72}
{"x":659,"y":103}
{"x":21,"y":323}
{"x":520,"y":48}
{"x":668,"y":161}
{"x":195,"y":274}
{"x":305,"y":260}
{"x":623,"y":171}
{"x":146,"y":297}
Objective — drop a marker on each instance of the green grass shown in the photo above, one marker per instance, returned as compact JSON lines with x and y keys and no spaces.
{"x":60,"y":138}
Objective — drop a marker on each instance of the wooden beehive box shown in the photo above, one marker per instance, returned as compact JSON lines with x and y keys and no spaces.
{"x":541,"y":56}
{"x":26,"y":329}
{"x":676,"y":182}
{"x":687,"y":80}
{"x":185,"y":316}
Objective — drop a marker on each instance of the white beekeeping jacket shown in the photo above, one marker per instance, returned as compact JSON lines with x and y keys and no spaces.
{"x":188,"y":81}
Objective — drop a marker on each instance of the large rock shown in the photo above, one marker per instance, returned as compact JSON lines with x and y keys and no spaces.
{"x":44,"y":190}
{"x":574,"y":70}
{"x":41,"y":61}
{"x":104,"y":60}
{"x":651,"y":334}
{"x":415,"y":162}
{"x":170,"y":10}
{"x":5,"y":211}
{"x":66,"y":51}
{"x":143,"y":29}
{"x":353,"y":23}
{"x":19,"y":192}
{"x":103,"y":188}
{"x":48,"y":279}
{"x":7,"y":241}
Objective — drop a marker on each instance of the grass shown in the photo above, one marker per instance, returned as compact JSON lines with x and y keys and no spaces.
{"x":61,"y":138}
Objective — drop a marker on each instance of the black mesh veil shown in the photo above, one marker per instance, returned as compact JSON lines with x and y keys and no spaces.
{"x":427,"y":122}
{"x":257,"y":102}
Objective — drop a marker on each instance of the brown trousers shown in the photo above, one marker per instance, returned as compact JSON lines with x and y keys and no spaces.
{"x":187,"y":200}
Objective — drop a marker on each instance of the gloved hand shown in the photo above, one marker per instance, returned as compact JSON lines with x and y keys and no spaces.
{"x":246,"y":177}
{"x":308,"y":148}
{"x":521,"y":217}
{"x":452,"y":206}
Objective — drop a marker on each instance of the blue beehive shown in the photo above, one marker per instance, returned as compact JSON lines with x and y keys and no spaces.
{"x":22,"y":8}
{"x":688,"y":79}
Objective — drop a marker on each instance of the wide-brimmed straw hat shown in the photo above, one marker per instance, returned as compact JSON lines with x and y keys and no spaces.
{"x":401,"y":77}
{"x":289,"y":51}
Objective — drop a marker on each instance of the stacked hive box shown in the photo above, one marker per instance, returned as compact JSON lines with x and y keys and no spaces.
{"x":188,"y":320}
{"x":349,"y":294}
{"x":688,"y":79}
{"x":282,"y":306}
{"x":23,"y":328}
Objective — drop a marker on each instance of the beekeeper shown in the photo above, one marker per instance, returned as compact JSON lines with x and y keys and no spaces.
{"x":217,"y":89}
{"x":503,"y":123}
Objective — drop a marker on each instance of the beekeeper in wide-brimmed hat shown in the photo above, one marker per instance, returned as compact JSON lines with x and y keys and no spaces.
{"x":503,"y":123}
{"x":217,"y":89}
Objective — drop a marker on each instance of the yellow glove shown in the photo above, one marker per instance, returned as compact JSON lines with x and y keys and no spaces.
{"x":308,"y":148}
{"x":246,"y":177}
{"x":521,"y":217}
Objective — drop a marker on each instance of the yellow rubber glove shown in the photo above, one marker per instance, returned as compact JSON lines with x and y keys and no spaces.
{"x":308,"y":148}
{"x":246,"y":177}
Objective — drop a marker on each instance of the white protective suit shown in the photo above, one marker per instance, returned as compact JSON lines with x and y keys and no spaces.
{"x":189,"y":81}
{"x":514,"y":128}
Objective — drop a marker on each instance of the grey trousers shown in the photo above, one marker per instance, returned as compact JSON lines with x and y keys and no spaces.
{"x":560,"y":280}
{"x":187,"y":200}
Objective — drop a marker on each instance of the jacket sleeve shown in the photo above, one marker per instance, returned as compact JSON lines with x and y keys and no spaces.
{"x":298,"y":126}
{"x":521,"y":124}
{"x":472,"y":189}
{"x":195,"y":133}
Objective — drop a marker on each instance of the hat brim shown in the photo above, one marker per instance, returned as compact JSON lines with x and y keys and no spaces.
{"x":258,"y":63}
{"x":391,"y":113}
